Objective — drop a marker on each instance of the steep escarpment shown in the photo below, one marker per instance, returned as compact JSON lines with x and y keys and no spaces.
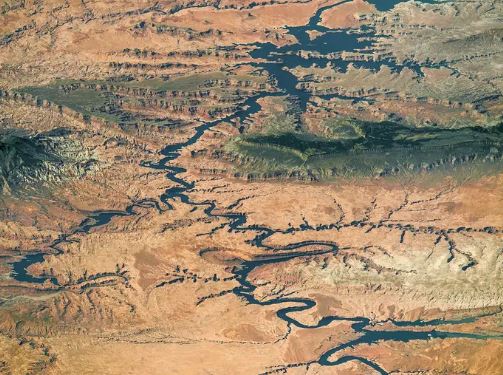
{"x":311,"y":186}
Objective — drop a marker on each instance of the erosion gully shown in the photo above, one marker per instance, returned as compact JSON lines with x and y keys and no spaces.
{"x":275,"y":60}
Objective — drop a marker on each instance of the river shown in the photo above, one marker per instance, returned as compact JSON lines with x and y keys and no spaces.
{"x":276,"y":59}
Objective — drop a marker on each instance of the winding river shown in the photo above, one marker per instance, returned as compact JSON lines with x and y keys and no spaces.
{"x":276,"y":59}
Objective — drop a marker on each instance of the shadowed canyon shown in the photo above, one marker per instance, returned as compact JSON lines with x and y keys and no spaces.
{"x":242,"y":187}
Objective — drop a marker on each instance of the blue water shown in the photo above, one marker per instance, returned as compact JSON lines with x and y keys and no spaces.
{"x":384,"y":5}
{"x":277,"y":59}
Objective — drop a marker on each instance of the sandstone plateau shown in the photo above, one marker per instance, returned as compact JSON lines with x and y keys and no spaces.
{"x":243,"y":187}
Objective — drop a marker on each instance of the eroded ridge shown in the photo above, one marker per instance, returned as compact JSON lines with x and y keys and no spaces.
{"x":312,"y":186}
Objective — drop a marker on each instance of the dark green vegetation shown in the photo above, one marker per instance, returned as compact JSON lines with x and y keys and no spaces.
{"x":125,"y":101}
{"x":29,"y":162}
{"x":187,"y":83}
{"x":89,"y":98}
{"x":80,"y":99}
{"x":358,"y":148}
